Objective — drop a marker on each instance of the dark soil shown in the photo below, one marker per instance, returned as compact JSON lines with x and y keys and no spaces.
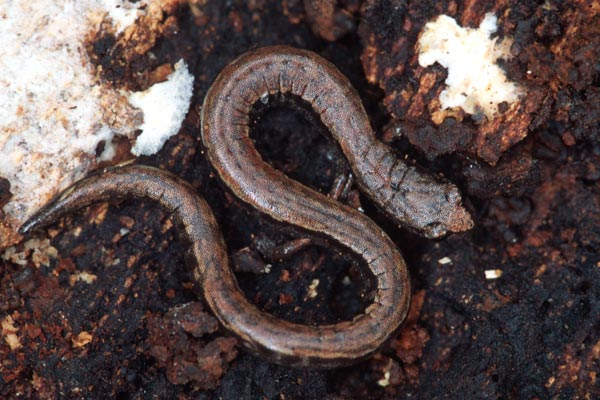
{"x":509,"y":310}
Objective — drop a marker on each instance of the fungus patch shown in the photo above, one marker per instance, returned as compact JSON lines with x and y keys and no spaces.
{"x":164,"y":106}
{"x":55,"y":115}
{"x":475,"y":82}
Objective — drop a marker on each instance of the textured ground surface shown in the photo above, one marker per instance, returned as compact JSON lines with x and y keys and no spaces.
{"x":107,"y":309}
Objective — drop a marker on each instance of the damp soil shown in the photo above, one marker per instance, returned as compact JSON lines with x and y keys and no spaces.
{"x":508,"y":310}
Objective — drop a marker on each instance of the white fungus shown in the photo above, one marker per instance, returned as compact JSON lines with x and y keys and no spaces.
{"x":50,"y":108}
{"x":53,"y":111}
{"x":475,"y":82}
{"x":164,"y":105}
{"x":121,"y":13}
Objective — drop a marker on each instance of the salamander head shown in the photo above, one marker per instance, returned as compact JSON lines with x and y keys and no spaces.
{"x":426,"y":205}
